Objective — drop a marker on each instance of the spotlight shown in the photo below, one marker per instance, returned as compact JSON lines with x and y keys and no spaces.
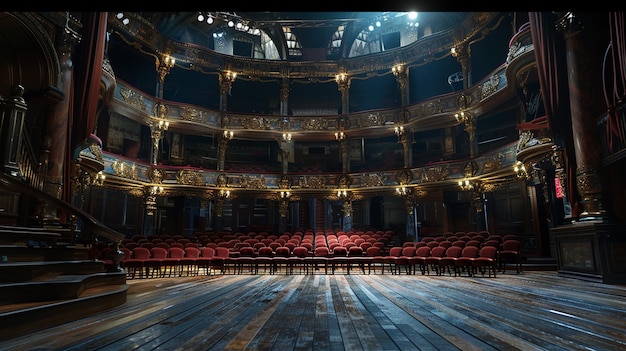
{"x":209,"y":20}
{"x":200,"y":17}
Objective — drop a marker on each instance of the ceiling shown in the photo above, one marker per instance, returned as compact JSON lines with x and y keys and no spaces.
{"x":313,"y":30}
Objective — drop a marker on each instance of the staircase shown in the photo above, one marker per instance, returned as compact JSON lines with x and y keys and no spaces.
{"x":44,"y":284}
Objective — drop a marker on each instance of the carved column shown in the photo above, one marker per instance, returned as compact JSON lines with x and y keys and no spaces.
{"x":223,"y":145}
{"x":585,"y":47}
{"x":57,"y":126}
{"x":226,"y":79}
{"x":402,"y":77}
{"x":462,"y":53}
{"x":343,"y":84}
{"x":470,"y":128}
{"x":284,"y":97}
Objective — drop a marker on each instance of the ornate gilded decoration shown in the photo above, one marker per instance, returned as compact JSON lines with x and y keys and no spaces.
{"x":312,"y":182}
{"x":470,"y":169}
{"x":524,"y":138}
{"x":252,"y":182}
{"x":371,"y":120}
{"x":133,"y":98}
{"x":490,"y":86}
{"x":189,"y":177}
{"x":155,"y":175}
{"x":463,"y":101}
{"x":344,"y":181}
{"x":96,"y":150}
{"x":221,"y":181}
{"x":429,"y":108}
{"x":589,"y":185}
{"x":435,"y":174}
{"x":372,"y":179}
{"x":404,"y":176}
{"x":255,"y":123}
{"x":493,"y":163}
{"x":191,"y":114}
{"x":314,"y":124}
{"x":125,"y":170}
{"x":284,"y":182}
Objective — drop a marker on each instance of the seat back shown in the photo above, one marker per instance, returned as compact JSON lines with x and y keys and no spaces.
{"x":488,"y":252}
{"x":340,"y":251}
{"x":396,"y":251}
{"x":438,"y":251}
{"x":141,"y":253}
{"x":265,"y":252}
{"x":176,"y":252}
{"x":372,"y":251}
{"x":454,"y":251}
{"x":470,"y":251}
{"x":282,"y":251}
{"x":158,"y":252}
{"x":192,"y":252}
{"x":300,"y":251}
{"x":222,"y":252}
{"x":207,"y":252}
{"x":511,"y":245}
{"x":355,"y":251}
{"x":423,"y":251}
{"x":321,"y":251}
{"x":408,"y":251}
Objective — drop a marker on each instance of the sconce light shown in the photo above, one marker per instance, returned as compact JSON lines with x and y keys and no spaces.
{"x":341,"y":78}
{"x":228,"y":134}
{"x":99,"y":180}
{"x":342,"y":194}
{"x":460,"y":116}
{"x":286,"y":136}
{"x":223,"y":194}
{"x":156,"y":190}
{"x":340,"y":135}
{"x":520,"y":170}
{"x":163,"y":125}
{"x":399,"y":130}
{"x":466,"y":184}
{"x":401,"y":190}
{"x":285,"y":194}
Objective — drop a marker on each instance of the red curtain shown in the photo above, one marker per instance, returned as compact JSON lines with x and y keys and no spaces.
{"x":85,"y":88}
{"x":552,"y":73}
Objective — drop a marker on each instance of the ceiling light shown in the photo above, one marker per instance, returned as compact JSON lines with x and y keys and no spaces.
{"x":231,"y":24}
{"x":209,"y":20}
{"x":412,"y":15}
{"x":371,"y":28}
{"x":200,"y":17}
{"x":125,"y":21}
{"x":119,"y":15}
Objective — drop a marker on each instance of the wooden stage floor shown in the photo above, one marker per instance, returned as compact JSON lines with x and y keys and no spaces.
{"x":534,"y":310}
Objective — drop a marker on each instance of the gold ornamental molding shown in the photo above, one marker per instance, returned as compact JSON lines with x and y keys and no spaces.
{"x":493,"y":163}
{"x":133,"y":98}
{"x":311,"y":182}
{"x":252,"y":182}
{"x":190,"y":177}
{"x":314,"y":124}
{"x":191,"y":114}
{"x":435,"y":174}
{"x":489,"y":87}
{"x":372,"y":179}
{"x":255,"y":123}
{"x":125,"y":170}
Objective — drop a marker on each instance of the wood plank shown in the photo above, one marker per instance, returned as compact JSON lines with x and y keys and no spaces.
{"x":530,"y":311}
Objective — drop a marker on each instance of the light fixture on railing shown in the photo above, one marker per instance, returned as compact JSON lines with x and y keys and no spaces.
{"x":342,"y":194}
{"x":285,"y":194}
{"x":341,"y":78}
{"x":228,"y":134}
{"x":286,"y":136}
{"x":466,"y":184}
{"x":223,"y":194}
{"x":460,"y":116}
{"x":163,"y":125}
{"x":99,"y":179}
{"x":399,"y":130}
{"x":520,"y":170}
{"x":401,"y":190}
{"x":340,"y":135}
